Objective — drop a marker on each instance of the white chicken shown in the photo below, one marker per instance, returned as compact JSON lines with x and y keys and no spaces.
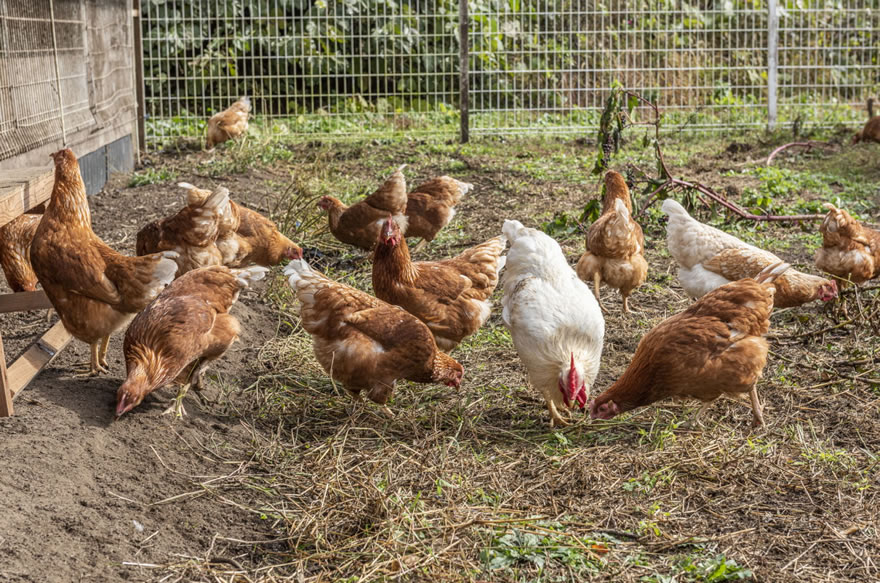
{"x":709,"y":258}
{"x":554,"y":319}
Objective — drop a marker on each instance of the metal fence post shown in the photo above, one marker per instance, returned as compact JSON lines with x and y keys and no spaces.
{"x":463,"y":56}
{"x":57,"y":73}
{"x":139,"y":77}
{"x":772,"y":63}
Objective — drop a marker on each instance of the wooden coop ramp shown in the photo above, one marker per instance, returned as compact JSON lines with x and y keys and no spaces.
{"x":20,"y":191}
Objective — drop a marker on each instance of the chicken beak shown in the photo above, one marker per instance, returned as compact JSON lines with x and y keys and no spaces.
{"x":388,"y":230}
{"x":123,"y":406}
{"x":573,"y":384}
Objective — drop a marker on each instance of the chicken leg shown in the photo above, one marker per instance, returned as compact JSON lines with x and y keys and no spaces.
{"x":695,"y":421}
{"x":421,"y":245}
{"x":102,"y":353}
{"x":757,"y":409}
{"x":95,"y":367}
{"x":556,"y":420}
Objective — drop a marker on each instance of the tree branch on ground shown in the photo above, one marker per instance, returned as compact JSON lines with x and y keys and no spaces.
{"x":666,"y":184}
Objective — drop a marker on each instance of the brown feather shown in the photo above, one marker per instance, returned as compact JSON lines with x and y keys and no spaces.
{"x":186,"y":325}
{"x":430,"y":206}
{"x":15,"y":245}
{"x":849,"y":250}
{"x":446,"y":295}
{"x":615,"y":243}
{"x":360,"y":223}
{"x":367,"y":344}
{"x":94,"y":289}
{"x":715,"y":347}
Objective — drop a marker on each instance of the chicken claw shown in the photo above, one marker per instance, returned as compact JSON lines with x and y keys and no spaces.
{"x":95,"y":366}
{"x":556,"y":420}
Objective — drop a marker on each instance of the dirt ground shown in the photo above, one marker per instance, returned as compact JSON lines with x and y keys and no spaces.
{"x":86,"y":493}
{"x":266,"y":479}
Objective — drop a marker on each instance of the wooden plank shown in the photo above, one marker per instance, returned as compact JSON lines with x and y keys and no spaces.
{"x":6,"y":408}
{"x":22,"y":189}
{"x":22,"y":371}
{"x":21,"y":301}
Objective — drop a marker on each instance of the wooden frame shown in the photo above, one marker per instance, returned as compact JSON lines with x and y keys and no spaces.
{"x":20,"y":191}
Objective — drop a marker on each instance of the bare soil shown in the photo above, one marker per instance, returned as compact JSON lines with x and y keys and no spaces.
{"x":84,"y":493}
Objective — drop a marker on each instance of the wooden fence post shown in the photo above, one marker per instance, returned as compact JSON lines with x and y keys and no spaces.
{"x":463,"y":56}
{"x":772,"y":63}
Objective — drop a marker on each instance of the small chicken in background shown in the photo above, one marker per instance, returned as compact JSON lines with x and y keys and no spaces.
{"x":364,"y":343}
{"x":94,"y":289}
{"x":191,"y":232}
{"x":871,"y":131}
{"x":229,"y":124}
{"x":554,"y":319}
{"x":181,"y":332}
{"x":15,"y":252}
{"x":709,"y":258}
{"x":715,"y":347}
{"x":849,"y":250}
{"x":450,"y":296}
{"x":245,"y":237}
{"x":615,"y":244}
{"x":360,"y":223}
{"x":431,"y":206}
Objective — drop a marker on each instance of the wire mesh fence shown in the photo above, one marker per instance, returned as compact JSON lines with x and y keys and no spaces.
{"x":66,"y":66}
{"x":371,"y":67}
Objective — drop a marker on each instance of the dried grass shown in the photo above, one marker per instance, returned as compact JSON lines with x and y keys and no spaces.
{"x":461,"y":482}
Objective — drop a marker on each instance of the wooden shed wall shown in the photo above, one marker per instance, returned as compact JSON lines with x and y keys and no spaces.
{"x":67,"y":79}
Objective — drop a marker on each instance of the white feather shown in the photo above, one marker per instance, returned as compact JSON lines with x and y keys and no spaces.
{"x":692,"y":243}
{"x":247,"y":275}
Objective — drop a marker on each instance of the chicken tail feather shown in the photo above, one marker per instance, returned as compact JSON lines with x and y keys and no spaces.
{"x":247,"y":275}
{"x":166,"y":268}
{"x":673,"y":207}
{"x":511,"y":229}
{"x":771,"y":272}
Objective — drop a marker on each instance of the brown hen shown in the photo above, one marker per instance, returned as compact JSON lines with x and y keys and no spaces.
{"x":229,"y":124}
{"x":364,"y":343}
{"x":871,"y":131}
{"x":191,"y":232}
{"x":360,"y":223}
{"x":849,"y":250}
{"x":181,"y":332}
{"x":615,"y":244}
{"x":450,"y":296}
{"x":715,"y":347}
{"x":245,"y":237}
{"x":94,"y":289}
{"x":431,"y":206}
